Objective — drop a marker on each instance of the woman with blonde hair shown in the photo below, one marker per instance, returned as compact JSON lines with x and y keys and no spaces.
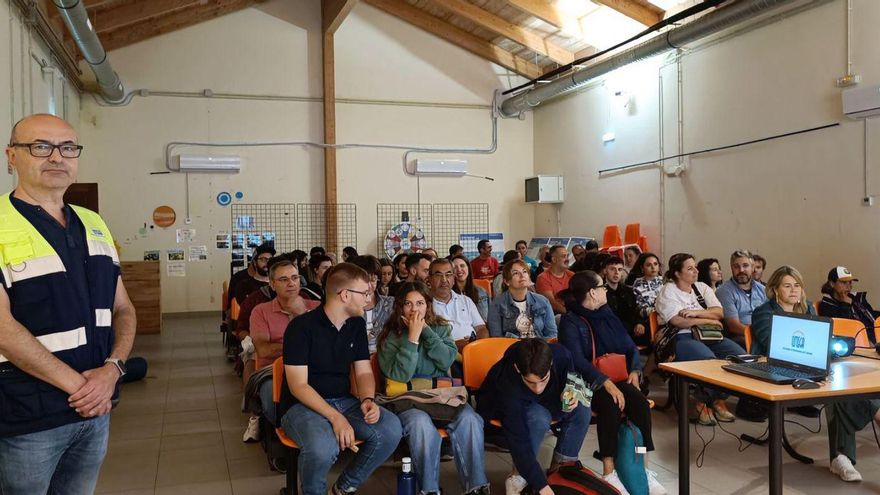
{"x":785,"y":293}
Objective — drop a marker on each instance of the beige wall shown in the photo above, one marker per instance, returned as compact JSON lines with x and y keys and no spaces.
{"x":795,"y":200}
{"x":275,"y":50}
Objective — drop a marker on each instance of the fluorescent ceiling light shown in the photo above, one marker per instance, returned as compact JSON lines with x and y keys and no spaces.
{"x":606,"y":27}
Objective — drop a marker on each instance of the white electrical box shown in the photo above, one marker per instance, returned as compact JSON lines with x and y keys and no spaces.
{"x":861,"y":103}
{"x":449,"y":168}
{"x":545,"y":189}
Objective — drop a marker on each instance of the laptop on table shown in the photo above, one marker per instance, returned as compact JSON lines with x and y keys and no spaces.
{"x":798,"y":349}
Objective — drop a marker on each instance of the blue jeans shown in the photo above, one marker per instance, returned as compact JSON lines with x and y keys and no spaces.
{"x":65,"y":459}
{"x":319,"y":448}
{"x":689,"y":349}
{"x":466,"y":436}
{"x":573,"y":427}
{"x":266,"y":401}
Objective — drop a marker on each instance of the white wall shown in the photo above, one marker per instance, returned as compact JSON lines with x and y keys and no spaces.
{"x":24,"y":87}
{"x":275,"y":50}
{"x":795,"y":200}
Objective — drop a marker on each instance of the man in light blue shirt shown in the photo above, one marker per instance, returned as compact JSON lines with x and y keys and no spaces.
{"x":740,"y":295}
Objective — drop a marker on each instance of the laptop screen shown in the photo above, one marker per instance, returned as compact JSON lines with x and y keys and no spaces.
{"x":799,"y":340}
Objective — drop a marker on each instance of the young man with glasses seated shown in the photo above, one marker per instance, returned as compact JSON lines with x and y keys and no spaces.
{"x":320,"y":349}
{"x":524,"y":391}
{"x":459,"y":310}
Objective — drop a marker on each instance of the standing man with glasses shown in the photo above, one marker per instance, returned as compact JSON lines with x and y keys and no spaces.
{"x":66,"y":322}
{"x":320,"y":350}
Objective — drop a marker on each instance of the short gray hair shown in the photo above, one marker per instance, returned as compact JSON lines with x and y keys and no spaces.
{"x":741,"y":253}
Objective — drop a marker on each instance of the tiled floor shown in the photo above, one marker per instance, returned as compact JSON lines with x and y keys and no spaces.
{"x":179,"y":432}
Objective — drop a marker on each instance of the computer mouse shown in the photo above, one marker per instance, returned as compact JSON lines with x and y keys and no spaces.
{"x":804,"y":384}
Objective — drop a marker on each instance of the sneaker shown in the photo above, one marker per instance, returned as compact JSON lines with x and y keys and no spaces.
{"x":722,"y":413}
{"x":483,"y":490}
{"x":704,"y":415}
{"x":842,"y":466}
{"x":806,"y":411}
{"x":252,"y":432}
{"x":613,"y":480}
{"x":514,"y":484}
{"x":654,"y":486}
{"x":337,"y":490}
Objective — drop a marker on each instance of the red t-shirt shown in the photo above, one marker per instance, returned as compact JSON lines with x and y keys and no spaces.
{"x":549,"y":282}
{"x":484,"y":268}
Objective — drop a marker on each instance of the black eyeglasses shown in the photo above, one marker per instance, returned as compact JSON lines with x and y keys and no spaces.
{"x":42,"y":150}
{"x":365,"y":293}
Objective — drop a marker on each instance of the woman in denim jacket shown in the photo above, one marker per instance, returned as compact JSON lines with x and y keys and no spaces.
{"x":518,"y":312}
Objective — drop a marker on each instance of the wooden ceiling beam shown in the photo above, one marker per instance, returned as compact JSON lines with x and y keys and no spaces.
{"x":459,"y":37}
{"x":643,"y":12}
{"x":509,"y":30}
{"x":128,"y":35}
{"x":333,"y":12}
{"x":542,"y":9}
{"x":134,"y":13}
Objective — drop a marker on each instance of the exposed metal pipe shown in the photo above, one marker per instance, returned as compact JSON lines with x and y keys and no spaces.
{"x":77,"y":21}
{"x":711,"y":23}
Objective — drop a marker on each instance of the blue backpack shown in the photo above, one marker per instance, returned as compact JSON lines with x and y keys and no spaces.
{"x":630,"y":459}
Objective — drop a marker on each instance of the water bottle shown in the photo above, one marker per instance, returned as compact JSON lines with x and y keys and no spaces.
{"x":406,"y":480}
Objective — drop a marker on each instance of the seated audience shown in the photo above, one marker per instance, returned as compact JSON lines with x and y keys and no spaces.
{"x":457,"y":309}
{"x":543,"y":261}
{"x":318,"y":266}
{"x":464,"y":285}
{"x":630,"y":256}
{"x":590,"y":329}
{"x":578,"y":253}
{"x":301,"y":260}
{"x":255,"y":276}
{"x":498,"y":282}
{"x":739,"y":296}
{"x":710,"y":272}
{"x":519,"y":312}
{"x":418,"y":343}
{"x":647,"y":283}
{"x":522,"y":247}
{"x":268,"y":322}
{"x":333,"y":260}
{"x":455,"y":250}
{"x":316,"y":250}
{"x":378,"y":308}
{"x":845,"y":418}
{"x":429,"y":253}
{"x":760,"y":265}
{"x":348,"y":253}
{"x":399,"y":263}
{"x":839,"y":301}
{"x":684,"y":303}
{"x":416,"y":270}
{"x":622,"y":301}
{"x":551,"y":282}
{"x":386,"y":276}
{"x":591,"y":246}
{"x":524,"y":391}
{"x":485,"y":266}
{"x":320,"y":349}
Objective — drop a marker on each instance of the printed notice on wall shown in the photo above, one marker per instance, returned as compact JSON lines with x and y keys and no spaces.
{"x":185,"y":235}
{"x":198,"y":253}
{"x":151,"y":255}
{"x":223,"y":239}
{"x":176,"y":255}
{"x":176,"y":269}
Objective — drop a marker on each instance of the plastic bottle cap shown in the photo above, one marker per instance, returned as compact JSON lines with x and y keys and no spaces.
{"x":407,"y":464}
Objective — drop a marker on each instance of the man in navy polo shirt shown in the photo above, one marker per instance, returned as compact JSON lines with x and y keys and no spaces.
{"x":320,"y":349}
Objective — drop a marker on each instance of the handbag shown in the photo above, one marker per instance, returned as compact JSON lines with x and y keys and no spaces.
{"x":612,"y":365}
{"x":705,"y":333}
{"x":442,"y":404}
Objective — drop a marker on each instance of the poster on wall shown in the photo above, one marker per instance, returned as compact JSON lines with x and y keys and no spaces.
{"x":151,"y":255}
{"x":198,"y":253}
{"x":176,"y":255}
{"x":185,"y":235}
{"x":244,"y":222}
{"x":176,"y":269}
{"x":469,"y":243}
{"x":223,"y":240}
{"x":254,"y":240}
{"x":238,"y":241}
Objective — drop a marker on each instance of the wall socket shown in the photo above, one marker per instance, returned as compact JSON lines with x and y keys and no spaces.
{"x":868,"y":201}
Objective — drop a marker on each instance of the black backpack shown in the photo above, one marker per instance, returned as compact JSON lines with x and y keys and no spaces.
{"x":572,"y":478}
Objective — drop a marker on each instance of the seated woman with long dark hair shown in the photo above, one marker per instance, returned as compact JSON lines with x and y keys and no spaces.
{"x":589,"y":325}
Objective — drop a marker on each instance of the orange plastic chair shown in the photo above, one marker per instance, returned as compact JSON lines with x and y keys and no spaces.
{"x":486,"y":285}
{"x":844,"y":327}
{"x":747,"y":333}
{"x":611,"y":237}
{"x":479,"y":356}
{"x":292,"y":475}
{"x":816,"y":307}
{"x":234,"y":310}
{"x":225,"y":296}
{"x":632,"y":233}
{"x":643,"y":243}
{"x":653,"y":324}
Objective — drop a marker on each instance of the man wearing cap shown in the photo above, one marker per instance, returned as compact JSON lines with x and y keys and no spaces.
{"x":740,"y":295}
{"x":244,"y":282}
{"x":839,"y":301}
{"x":66,"y":322}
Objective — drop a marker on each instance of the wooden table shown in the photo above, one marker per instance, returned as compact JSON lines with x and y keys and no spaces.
{"x":851,"y":378}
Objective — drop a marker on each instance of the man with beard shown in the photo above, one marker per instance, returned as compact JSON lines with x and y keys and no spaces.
{"x":740,"y":295}
{"x":257,"y":274}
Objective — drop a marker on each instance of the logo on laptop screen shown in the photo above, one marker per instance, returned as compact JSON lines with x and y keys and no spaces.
{"x":798,"y":341}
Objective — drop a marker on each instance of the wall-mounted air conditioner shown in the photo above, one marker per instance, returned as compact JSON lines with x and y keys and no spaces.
{"x":229,"y":164}
{"x":861,"y":103}
{"x":448,"y":168}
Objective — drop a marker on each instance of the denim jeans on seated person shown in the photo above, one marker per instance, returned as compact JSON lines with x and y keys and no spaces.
{"x":466,"y":437}
{"x":65,"y":459}
{"x":319,"y":447}
{"x":266,"y":401}
{"x":573,"y":429}
{"x":689,"y":349}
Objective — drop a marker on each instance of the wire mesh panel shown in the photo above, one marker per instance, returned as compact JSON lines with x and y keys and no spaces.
{"x":452,"y":219}
{"x":312,"y":222}
{"x":254,"y":224}
{"x":402,"y":227}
